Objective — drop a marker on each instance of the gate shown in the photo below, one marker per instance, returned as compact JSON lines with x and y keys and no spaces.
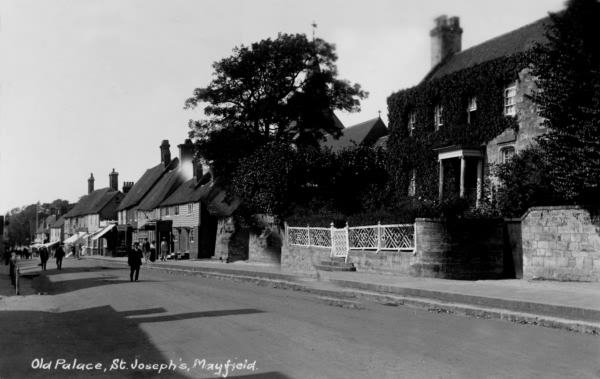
{"x":339,"y":243}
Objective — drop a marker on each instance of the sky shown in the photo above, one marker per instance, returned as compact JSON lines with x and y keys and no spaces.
{"x":88,"y":86}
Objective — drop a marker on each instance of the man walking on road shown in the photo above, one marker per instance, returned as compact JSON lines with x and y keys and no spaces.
{"x":60,"y":253}
{"x":164,"y":249}
{"x":134,"y":260}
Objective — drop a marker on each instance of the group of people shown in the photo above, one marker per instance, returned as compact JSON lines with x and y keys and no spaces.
{"x":59,"y":254}
{"x":148,"y":253}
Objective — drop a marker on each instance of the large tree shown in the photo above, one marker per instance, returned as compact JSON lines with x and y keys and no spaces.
{"x":568,"y":95}
{"x":276,"y":90}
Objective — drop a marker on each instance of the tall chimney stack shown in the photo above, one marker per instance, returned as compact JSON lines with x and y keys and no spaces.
{"x":113,"y":179}
{"x":446,"y":39}
{"x":165,"y":153}
{"x":91,"y":184}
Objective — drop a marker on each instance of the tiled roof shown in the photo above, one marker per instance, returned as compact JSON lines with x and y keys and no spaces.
{"x":516,"y":41}
{"x":211,"y":193}
{"x":364,"y":133}
{"x":58,"y":223}
{"x":146,"y":182}
{"x":92,"y":203}
{"x":191,"y":192}
{"x":168,"y":183}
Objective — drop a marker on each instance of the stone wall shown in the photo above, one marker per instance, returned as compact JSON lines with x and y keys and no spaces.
{"x":301,"y":260}
{"x":459,"y":249}
{"x":561,"y":243}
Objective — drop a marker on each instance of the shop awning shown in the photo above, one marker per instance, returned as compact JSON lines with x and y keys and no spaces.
{"x":75,"y":237}
{"x":103,"y":232}
{"x":49,"y":244}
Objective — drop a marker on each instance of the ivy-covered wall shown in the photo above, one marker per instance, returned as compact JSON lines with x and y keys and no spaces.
{"x":486,"y":82}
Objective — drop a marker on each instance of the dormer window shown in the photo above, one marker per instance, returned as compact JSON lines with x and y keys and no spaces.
{"x":412,"y":117}
{"x":510,"y":99}
{"x":472,"y":110}
{"x":438,"y":113}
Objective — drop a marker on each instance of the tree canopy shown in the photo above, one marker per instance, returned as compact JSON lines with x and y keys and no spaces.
{"x":275,"y":90}
{"x":568,"y":96}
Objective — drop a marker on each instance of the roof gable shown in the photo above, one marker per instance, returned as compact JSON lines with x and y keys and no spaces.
{"x":93,"y":202}
{"x":514,"y":42}
{"x":58,"y":223}
{"x":145,"y":184}
{"x":191,"y":192}
{"x":364,"y":133}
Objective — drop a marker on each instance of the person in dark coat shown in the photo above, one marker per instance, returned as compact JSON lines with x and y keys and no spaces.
{"x":153,"y":251}
{"x":60,"y":253}
{"x":44,"y":257}
{"x":13,"y":269}
{"x":134,"y":260}
{"x":146,"y":249}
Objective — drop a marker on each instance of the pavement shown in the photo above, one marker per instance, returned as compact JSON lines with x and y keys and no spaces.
{"x":563,"y":305}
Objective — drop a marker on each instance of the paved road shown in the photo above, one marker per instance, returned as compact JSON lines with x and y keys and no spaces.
{"x":95,"y":316}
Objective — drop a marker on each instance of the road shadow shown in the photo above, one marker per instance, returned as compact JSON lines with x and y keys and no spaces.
{"x":44,"y":284}
{"x":43,"y":344}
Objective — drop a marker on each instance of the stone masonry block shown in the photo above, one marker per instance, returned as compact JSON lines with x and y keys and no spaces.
{"x":579,"y":237}
{"x":588,"y":264}
{"x":543,"y":244}
{"x":574,"y":246}
{"x":587,"y":247}
{"x":538,"y":261}
{"x":562,"y":262}
{"x":579,"y":263}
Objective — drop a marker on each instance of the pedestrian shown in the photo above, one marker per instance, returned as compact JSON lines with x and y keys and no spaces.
{"x":44,"y":257}
{"x":13,"y":269}
{"x":60,"y":253}
{"x":7,"y":256}
{"x":134,"y":260}
{"x":153,"y":251}
{"x":164,"y":249}
{"x":26,"y":252}
{"x":146,"y":249}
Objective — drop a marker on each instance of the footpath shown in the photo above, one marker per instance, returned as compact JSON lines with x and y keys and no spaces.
{"x":570,"y":306}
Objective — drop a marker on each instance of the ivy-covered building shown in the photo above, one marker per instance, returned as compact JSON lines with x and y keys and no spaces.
{"x":469,"y":112}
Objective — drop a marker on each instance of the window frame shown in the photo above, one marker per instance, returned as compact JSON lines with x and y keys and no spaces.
{"x":505,"y":150}
{"x":176,"y":210}
{"x":438,"y":114}
{"x":510,"y":99}
{"x":190,"y":208}
{"x":412,"y":121}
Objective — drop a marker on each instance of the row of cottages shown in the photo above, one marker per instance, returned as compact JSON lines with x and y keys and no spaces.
{"x":470,"y":111}
{"x":127,"y":212}
{"x":90,"y":224}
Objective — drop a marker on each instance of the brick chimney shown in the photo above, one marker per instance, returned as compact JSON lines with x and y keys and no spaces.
{"x":165,"y":153}
{"x":91,"y":184}
{"x":446,"y":39}
{"x":127,"y":187}
{"x":186,"y":156}
{"x":113,"y":179}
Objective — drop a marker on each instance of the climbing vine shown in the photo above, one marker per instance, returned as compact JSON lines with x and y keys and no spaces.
{"x":485,"y":82}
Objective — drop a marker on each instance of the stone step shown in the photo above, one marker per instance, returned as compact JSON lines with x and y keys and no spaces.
{"x":337,"y":264}
{"x":334,"y":268}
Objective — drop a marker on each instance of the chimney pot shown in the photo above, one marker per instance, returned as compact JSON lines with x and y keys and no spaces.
{"x":446,"y":39}
{"x":113,"y":180}
{"x":165,"y":153}
{"x":91,"y":184}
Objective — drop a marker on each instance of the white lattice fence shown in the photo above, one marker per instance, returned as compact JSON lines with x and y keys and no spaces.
{"x":339,"y":239}
{"x":320,"y":237}
{"x":298,"y":236}
{"x":376,"y":237}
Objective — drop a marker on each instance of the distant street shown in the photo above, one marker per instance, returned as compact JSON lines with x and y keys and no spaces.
{"x":93,"y":322}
